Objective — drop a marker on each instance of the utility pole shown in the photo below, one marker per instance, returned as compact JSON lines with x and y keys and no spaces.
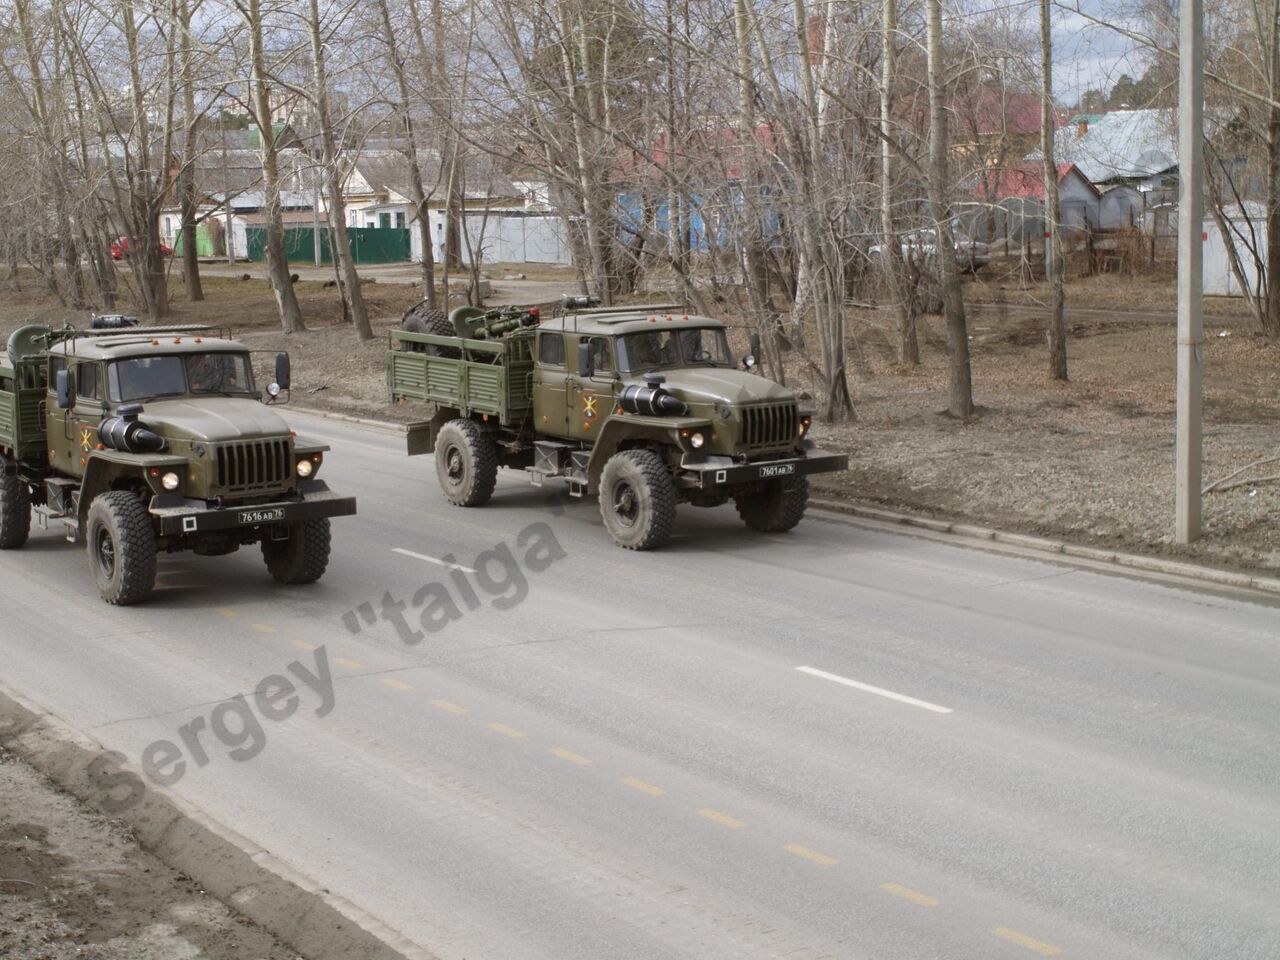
{"x":1187,"y":499}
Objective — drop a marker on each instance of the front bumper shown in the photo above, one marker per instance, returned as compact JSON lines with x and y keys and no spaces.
{"x":718,"y":472}
{"x":193,"y":517}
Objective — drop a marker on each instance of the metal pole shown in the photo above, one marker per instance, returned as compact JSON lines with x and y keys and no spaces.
{"x":1190,"y":270}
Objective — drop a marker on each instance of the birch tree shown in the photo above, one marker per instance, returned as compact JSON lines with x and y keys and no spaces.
{"x":1055,"y":265}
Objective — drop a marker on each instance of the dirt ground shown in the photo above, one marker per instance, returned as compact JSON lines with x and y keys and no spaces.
{"x":1091,"y":460}
{"x":74,"y":885}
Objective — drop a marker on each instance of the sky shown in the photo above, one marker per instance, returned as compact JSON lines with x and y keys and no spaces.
{"x":1087,"y":55}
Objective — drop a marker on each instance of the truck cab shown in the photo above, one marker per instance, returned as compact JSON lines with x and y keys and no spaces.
{"x":152,"y":440}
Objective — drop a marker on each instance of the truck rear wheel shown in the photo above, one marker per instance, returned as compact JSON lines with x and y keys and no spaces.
{"x":638,"y":500}
{"x":304,"y":557}
{"x":466,"y":463}
{"x":15,"y":510}
{"x":122,"y":548}
{"x":776,"y":506}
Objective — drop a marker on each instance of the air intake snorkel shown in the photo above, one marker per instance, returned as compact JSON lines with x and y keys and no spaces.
{"x":127,"y":434}
{"x":652,"y":399}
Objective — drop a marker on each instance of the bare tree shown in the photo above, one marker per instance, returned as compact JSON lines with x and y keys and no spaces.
{"x":961,"y":381}
{"x":260,"y":104}
{"x":331,"y":163}
{"x":900,"y":290}
{"x":1055,"y":265}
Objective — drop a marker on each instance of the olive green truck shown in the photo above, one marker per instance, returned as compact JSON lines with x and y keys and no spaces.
{"x":151,"y":440}
{"x":643,"y":407}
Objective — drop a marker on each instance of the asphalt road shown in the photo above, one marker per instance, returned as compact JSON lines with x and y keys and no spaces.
{"x":618,"y":756}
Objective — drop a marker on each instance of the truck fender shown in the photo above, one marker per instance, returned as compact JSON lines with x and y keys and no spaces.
{"x":420,"y":435}
{"x":623,"y":431}
{"x":107,"y":467}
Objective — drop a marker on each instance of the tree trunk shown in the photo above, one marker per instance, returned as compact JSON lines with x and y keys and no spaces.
{"x":1055,"y":265}
{"x":891,"y":245}
{"x":419,"y":194}
{"x":333,"y":184}
{"x":187,"y":176}
{"x":960,"y":403}
{"x":1271,"y":324}
{"x":277,"y":258}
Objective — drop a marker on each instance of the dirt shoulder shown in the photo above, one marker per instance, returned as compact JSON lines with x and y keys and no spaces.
{"x":1090,"y":460}
{"x":75,"y":885}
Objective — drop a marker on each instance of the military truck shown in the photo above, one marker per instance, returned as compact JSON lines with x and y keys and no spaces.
{"x":643,"y":407}
{"x":155,"y":440}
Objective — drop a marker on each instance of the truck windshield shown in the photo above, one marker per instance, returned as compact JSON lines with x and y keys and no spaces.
{"x":675,"y":348}
{"x":144,"y":378}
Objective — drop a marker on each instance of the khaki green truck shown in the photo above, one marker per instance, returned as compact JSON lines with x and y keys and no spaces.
{"x":154,"y":440}
{"x":645,"y":408}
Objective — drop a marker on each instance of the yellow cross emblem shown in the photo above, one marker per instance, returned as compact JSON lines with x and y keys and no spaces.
{"x":589,"y":405}
{"x":86,"y":439}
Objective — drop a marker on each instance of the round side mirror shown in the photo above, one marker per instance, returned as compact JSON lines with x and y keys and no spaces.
{"x":749,"y":362}
{"x":273,"y":390}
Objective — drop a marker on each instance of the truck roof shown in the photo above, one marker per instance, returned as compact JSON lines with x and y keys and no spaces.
{"x":139,"y":341}
{"x":615,"y":321}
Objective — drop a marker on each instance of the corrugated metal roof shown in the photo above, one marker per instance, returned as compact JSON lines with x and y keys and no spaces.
{"x":1119,"y":145}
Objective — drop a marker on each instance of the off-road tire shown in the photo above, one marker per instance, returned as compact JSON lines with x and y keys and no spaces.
{"x":638,"y":500}
{"x":122,"y":547}
{"x":423,"y":319}
{"x":304,"y":557}
{"x":776,"y":506}
{"x":466,"y":463}
{"x":15,"y":510}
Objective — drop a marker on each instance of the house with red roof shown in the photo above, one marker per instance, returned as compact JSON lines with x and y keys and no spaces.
{"x":1008,"y":202}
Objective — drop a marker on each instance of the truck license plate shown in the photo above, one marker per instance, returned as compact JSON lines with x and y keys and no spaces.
{"x":777,"y":470}
{"x":255,"y":517}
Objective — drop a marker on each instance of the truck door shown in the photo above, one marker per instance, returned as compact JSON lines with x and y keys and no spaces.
{"x":591,"y":399}
{"x":85,"y":416}
{"x":58,"y":423}
{"x":550,"y":408}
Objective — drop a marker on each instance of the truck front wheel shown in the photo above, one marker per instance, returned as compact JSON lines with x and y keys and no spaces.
{"x":775,"y":506}
{"x":466,"y":463}
{"x":638,"y":500}
{"x":304,"y":557}
{"x":122,"y":548}
{"x":15,"y":510}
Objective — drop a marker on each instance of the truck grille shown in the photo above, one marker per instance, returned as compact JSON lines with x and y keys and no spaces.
{"x":257,"y":465}
{"x":768,"y":425}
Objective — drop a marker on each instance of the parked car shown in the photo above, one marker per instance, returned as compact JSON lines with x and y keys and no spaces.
{"x":120,"y":249}
{"x":971,"y":255}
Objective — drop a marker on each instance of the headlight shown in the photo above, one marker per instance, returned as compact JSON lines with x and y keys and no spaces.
{"x":305,"y":469}
{"x":170,"y":481}
{"x":805,"y":423}
{"x":696,"y":441}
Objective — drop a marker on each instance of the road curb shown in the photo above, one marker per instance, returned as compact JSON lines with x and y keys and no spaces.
{"x":390,"y":425}
{"x":318,"y":924}
{"x":968,"y":531}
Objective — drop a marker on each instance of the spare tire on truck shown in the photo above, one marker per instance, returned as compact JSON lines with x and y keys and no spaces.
{"x":421,"y":318}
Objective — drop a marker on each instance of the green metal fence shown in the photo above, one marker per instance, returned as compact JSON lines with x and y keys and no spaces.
{"x":368,"y":244}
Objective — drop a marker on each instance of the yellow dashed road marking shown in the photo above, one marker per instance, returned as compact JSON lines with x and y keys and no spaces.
{"x":506,"y":731}
{"x":819,"y":858}
{"x":906,"y":893}
{"x":264,"y":628}
{"x":303,"y":645}
{"x":448,"y":707}
{"x":349,"y":664}
{"x":227,"y":612}
{"x":721,"y":818}
{"x":569,"y":755}
{"x":643,"y":787}
{"x":396,"y":684}
{"x":1022,"y":940}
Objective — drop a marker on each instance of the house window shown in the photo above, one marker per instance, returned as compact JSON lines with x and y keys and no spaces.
{"x":551,"y":350}
{"x":400,"y":220}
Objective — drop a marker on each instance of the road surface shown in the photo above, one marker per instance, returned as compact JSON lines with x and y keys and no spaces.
{"x":836,"y":743}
